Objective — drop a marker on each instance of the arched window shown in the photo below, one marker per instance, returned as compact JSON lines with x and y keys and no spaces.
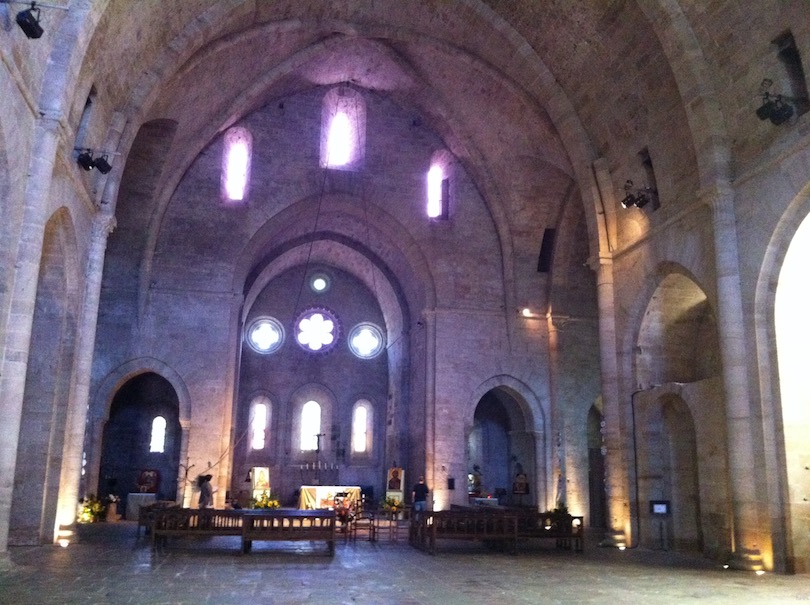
{"x":310,"y":426}
{"x":362,"y":417}
{"x":438,"y":185}
{"x":343,"y":129}
{"x":157,"y":442}
{"x":259,"y":422}
{"x":236,"y":153}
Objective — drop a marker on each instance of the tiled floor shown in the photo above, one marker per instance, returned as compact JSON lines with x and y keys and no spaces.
{"x":111,"y":566}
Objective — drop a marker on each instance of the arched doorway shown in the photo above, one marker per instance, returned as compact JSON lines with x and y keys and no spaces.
{"x":141,"y":443}
{"x":792,"y":326}
{"x":668,"y":473}
{"x":500,"y":447}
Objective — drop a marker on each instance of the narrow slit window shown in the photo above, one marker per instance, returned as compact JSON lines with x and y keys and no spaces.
{"x":310,"y":426}
{"x":438,"y":185}
{"x":434,"y":180}
{"x":236,"y":157}
{"x":157,"y":443}
{"x":361,"y":428}
{"x":260,"y":414}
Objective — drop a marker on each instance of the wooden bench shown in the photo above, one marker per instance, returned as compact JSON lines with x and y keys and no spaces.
{"x":250,"y":525}
{"x":428,"y":527}
{"x":288,"y":524}
{"x":566,"y":530}
{"x":185,"y":522}
{"x":146,"y":515}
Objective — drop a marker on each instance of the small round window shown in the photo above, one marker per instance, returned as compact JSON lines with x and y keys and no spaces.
{"x":366,"y":340}
{"x":265,"y":335}
{"x":319,"y":282}
{"x":317,"y":330}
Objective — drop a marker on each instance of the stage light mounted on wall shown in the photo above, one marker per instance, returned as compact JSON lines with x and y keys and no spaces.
{"x":28,"y":20}
{"x":775,"y":107}
{"x":86,"y":160}
{"x":638,"y":197}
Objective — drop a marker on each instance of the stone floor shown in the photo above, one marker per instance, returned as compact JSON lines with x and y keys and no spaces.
{"x":110,"y":565}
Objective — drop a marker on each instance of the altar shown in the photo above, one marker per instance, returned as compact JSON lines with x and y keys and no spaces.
{"x":323,"y":496}
{"x":135,"y":501}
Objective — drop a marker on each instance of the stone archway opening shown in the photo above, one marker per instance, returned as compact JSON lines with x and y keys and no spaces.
{"x":141,"y":453}
{"x":792,"y":325}
{"x":500,"y":448}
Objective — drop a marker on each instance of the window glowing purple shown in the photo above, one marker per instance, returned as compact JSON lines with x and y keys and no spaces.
{"x":434,"y":185}
{"x":315,"y":331}
{"x":340,"y":140}
{"x":236,"y":164}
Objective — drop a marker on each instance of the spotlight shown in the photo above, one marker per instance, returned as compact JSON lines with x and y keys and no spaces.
{"x":781,"y":112}
{"x":28,"y":20}
{"x":85,"y":160}
{"x":102,"y":165}
{"x":637,"y":197}
{"x":776,"y":108}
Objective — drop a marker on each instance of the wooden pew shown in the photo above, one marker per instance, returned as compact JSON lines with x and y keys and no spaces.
{"x":428,"y":527}
{"x":288,"y":524}
{"x":185,"y":522}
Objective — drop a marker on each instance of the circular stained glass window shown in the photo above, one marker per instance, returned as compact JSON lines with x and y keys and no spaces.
{"x":319,"y":282}
{"x":265,"y":335}
{"x":317,"y":330}
{"x":366,"y":340}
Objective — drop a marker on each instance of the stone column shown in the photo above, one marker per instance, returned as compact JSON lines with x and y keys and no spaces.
{"x":18,"y":324}
{"x":103,"y":225}
{"x":742,"y":464}
{"x":615,"y":479}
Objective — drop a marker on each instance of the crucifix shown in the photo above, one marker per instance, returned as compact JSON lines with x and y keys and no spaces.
{"x":318,"y":457}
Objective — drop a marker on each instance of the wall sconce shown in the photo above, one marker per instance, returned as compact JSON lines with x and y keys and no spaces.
{"x":86,"y":160}
{"x":775,"y":108}
{"x":635,"y":197}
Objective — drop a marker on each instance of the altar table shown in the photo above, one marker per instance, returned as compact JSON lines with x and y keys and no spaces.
{"x":323,"y":496}
{"x":135,"y":501}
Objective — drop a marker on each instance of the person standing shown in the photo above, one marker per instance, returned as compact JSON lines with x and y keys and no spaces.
{"x":206,"y":491}
{"x":420,"y":493}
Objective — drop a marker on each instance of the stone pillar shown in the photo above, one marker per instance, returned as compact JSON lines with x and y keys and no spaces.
{"x":103,"y":225}
{"x":558,"y":420}
{"x":615,"y":479}
{"x":19,"y":322}
{"x":742,"y":464}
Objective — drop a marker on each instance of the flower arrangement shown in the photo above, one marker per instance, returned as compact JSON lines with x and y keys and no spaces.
{"x":391,"y":504}
{"x":91,"y":509}
{"x":265,"y":500}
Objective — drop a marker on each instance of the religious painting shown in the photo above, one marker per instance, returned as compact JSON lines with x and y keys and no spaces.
{"x":520,"y":485}
{"x":260,"y":475}
{"x":396,"y":479}
{"x":149,"y":481}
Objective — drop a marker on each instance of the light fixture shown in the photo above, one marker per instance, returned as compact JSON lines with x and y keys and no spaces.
{"x":638,"y":197}
{"x":86,"y":160}
{"x":102,"y":165}
{"x":775,"y":107}
{"x":28,"y":20}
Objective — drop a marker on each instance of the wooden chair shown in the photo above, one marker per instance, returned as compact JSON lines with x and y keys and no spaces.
{"x":364,"y":522}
